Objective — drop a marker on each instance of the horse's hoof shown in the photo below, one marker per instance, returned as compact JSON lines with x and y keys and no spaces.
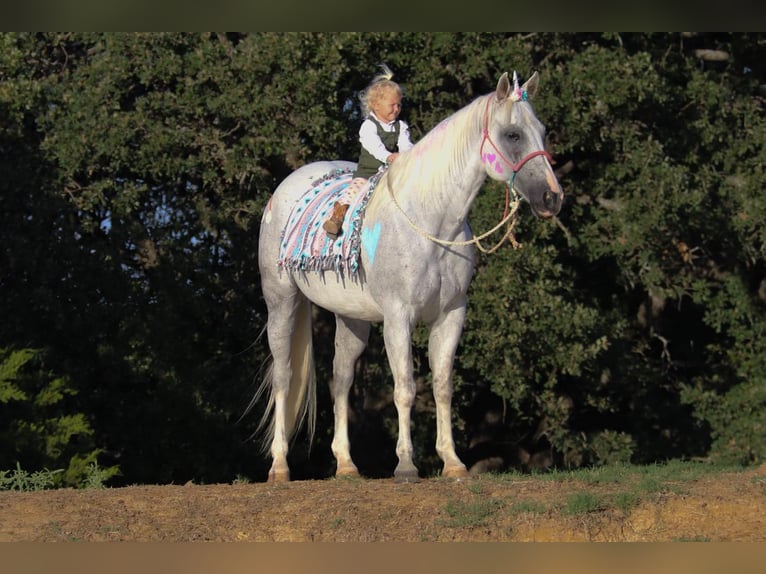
{"x":456,"y":472}
{"x":279,"y":476}
{"x":406,"y":476}
{"x":347,"y":472}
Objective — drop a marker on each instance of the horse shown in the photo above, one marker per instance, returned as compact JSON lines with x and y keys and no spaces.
{"x":413,"y":263}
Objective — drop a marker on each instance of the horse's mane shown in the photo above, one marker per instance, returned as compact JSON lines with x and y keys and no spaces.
{"x":437,"y":162}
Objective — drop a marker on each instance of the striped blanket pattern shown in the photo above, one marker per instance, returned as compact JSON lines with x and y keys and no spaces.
{"x":305,"y":246}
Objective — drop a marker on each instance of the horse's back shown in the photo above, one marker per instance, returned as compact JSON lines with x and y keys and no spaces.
{"x":301,"y":179}
{"x":283,"y":199}
{"x":341,"y":293}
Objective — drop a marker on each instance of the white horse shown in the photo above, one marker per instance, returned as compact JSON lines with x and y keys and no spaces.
{"x":414,"y":262}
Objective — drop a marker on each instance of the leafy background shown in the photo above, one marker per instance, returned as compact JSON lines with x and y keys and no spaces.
{"x":135,"y":167}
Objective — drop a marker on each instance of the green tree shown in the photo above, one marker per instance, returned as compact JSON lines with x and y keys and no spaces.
{"x":40,"y":428}
{"x":668,"y":153}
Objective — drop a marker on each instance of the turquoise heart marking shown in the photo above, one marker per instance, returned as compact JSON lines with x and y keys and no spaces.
{"x":370,"y":238}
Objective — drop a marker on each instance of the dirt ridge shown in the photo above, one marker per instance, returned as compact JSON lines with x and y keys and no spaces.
{"x":725,"y":507}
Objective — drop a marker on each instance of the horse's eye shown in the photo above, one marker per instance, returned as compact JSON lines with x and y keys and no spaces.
{"x":514,"y":136}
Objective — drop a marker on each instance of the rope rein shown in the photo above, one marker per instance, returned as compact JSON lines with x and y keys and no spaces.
{"x":510,"y":217}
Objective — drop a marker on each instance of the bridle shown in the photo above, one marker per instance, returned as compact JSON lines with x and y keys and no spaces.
{"x":511,"y":207}
{"x":515,"y":167}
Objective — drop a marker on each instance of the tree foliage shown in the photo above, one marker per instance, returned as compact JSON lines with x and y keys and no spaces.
{"x":135,"y":167}
{"x":38,"y":423}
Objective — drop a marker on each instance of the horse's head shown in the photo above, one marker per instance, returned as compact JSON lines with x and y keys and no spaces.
{"x":512,"y":147}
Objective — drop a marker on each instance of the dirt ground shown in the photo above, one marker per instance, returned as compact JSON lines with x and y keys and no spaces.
{"x":726,"y":507}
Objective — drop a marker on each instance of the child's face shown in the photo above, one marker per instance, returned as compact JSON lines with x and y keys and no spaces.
{"x":388,"y":106}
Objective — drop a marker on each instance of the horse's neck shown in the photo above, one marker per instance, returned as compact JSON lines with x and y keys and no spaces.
{"x":438,"y":180}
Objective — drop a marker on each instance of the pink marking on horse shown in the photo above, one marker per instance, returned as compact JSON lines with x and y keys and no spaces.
{"x":433,"y":138}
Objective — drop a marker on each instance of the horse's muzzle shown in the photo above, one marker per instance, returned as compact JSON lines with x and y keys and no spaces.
{"x":552,"y":201}
{"x":549,"y":204}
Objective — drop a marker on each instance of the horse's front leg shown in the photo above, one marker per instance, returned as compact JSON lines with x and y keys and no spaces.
{"x":442,"y":344}
{"x":397,"y":336}
{"x":351,"y":338}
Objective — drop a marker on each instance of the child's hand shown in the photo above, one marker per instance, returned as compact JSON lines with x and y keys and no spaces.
{"x":390,"y":159}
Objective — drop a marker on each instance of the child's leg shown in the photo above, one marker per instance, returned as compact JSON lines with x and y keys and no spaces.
{"x":334,"y":225}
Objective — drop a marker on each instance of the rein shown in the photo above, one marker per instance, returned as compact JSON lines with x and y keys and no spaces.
{"x":511,"y":209}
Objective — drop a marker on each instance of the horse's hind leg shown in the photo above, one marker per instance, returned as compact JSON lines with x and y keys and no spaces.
{"x":442,"y":343}
{"x":279,"y":342}
{"x":283,"y":303}
{"x":351,"y":338}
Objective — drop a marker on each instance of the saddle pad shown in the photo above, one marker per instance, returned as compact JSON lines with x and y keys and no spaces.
{"x":305,"y":246}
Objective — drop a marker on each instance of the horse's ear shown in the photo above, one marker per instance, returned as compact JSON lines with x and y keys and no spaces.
{"x":530,"y":86}
{"x":503,"y":87}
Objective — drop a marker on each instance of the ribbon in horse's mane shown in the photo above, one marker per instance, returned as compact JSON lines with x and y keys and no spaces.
{"x":305,"y":246}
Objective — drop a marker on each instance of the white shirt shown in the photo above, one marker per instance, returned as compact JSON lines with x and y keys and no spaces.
{"x":368,"y":137}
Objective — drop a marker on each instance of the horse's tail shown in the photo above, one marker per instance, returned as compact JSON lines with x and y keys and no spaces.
{"x":301,"y":398}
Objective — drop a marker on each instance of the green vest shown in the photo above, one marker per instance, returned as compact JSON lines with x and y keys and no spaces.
{"x":368,"y":165}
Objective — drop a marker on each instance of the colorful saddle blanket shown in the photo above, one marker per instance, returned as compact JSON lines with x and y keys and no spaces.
{"x":305,"y":246}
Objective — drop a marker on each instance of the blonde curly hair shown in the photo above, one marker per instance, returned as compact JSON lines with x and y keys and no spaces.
{"x":380,"y":85}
